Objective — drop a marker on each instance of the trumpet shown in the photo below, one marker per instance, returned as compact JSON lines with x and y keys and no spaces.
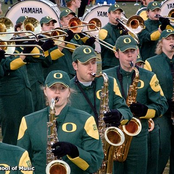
{"x":170,"y":16}
{"x":134,"y":25}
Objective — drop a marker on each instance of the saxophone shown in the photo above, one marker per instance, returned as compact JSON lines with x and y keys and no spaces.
{"x":54,"y":166}
{"x":134,"y":126}
{"x":111,"y":137}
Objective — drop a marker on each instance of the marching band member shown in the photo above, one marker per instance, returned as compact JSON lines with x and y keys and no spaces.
{"x":73,"y":5}
{"x":61,"y":57}
{"x":79,"y":142}
{"x":109,"y":33}
{"x":154,"y":25}
{"x":162,"y":64}
{"x":151,"y":102}
{"x":88,"y":88}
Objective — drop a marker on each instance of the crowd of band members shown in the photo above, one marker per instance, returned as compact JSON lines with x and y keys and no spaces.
{"x":23,"y":77}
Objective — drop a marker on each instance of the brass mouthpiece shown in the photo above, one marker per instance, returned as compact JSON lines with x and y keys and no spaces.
{"x":93,"y":74}
{"x":131,"y":64}
{"x":56,"y":99}
{"x":172,"y":46}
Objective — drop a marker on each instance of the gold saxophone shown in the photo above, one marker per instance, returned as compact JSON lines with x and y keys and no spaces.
{"x":54,"y":166}
{"x":111,"y":137}
{"x":134,"y":126}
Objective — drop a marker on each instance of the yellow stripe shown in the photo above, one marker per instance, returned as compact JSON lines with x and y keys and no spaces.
{"x":22,"y":128}
{"x":150,"y":114}
{"x":36,"y":51}
{"x":55,"y":54}
{"x":155,"y":35}
{"x":79,"y":162}
{"x":17,"y":63}
{"x":102,"y":34}
{"x":116,"y":88}
{"x":147,"y":66}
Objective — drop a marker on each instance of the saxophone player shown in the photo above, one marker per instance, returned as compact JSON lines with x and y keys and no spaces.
{"x":150,"y":103}
{"x":163,"y":68}
{"x":78,"y":143}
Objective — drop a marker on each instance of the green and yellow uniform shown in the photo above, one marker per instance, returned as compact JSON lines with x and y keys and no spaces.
{"x":74,"y":126}
{"x":150,"y":94}
{"x":16,"y":97}
{"x":14,"y":160}
{"x":93,"y":92}
{"x":162,"y":69}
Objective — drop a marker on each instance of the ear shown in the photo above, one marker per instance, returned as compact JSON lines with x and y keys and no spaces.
{"x":75,"y":66}
{"x":45,"y":91}
{"x":117,"y":55}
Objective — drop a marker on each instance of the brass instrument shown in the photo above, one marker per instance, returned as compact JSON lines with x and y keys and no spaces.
{"x":134,"y":25}
{"x":111,"y":137}
{"x":54,"y":166}
{"x":134,"y":126}
{"x":170,"y":16}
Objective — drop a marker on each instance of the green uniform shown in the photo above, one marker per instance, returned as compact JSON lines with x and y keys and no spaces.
{"x":16,"y":97}
{"x":148,"y":38}
{"x":74,"y":126}
{"x":109,"y":33}
{"x":93,"y":93}
{"x":162,"y":69}
{"x":64,"y":63}
{"x":14,"y":160}
{"x":149,"y":93}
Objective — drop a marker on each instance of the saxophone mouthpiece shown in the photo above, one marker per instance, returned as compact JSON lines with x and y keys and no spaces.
{"x":93,"y":74}
{"x":131,"y":64}
{"x":56,"y":99}
{"x":172,"y":46}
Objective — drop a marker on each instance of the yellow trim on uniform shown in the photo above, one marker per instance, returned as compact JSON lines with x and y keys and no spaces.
{"x":71,"y":46}
{"x":102,"y":34}
{"x":24,"y":160}
{"x":169,"y":27}
{"x":143,"y":14}
{"x":46,"y":53}
{"x":56,"y":54}
{"x":82,"y":164}
{"x":22,"y":128}
{"x":155,"y":35}
{"x":16,"y":63}
{"x":91,"y":128}
{"x":84,"y":39}
{"x":154,"y":84}
{"x":150,"y":114}
{"x":147,"y":66}
{"x":123,"y":122}
{"x":116,"y":88}
{"x":36,"y":51}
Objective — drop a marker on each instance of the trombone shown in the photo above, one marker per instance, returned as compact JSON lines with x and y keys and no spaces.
{"x":170,"y":16}
{"x":134,"y":25}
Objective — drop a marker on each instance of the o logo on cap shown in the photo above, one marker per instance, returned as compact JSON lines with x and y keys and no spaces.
{"x":169,"y":31}
{"x":127,"y":40}
{"x":57,"y":75}
{"x":67,"y":10}
{"x":87,"y":50}
{"x":116,"y":5}
{"x":154,"y":4}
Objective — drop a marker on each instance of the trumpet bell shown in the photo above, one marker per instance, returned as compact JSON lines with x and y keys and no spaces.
{"x":136,"y":23}
{"x":133,"y":128}
{"x":8,"y":47}
{"x":75,"y":25}
{"x":6,"y":26}
{"x":171,"y":15}
{"x":31,"y":24}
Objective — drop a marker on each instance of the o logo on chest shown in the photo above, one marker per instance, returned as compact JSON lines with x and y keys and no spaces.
{"x":69,"y":127}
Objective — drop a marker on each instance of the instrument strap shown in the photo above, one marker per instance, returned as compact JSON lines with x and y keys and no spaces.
{"x":87,"y":99}
{"x":120,"y":78}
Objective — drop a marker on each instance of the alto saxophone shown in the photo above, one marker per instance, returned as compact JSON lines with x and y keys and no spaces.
{"x":111,"y":137}
{"x":54,"y":165}
{"x":134,"y":126}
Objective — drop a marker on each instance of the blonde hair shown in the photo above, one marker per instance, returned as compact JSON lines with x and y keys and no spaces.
{"x":159,"y":47}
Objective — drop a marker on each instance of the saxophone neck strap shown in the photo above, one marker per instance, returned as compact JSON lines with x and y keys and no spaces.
{"x":93,"y":107}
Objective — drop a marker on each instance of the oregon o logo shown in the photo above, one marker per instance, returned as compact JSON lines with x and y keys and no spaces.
{"x":87,"y":50}
{"x":127,"y":40}
{"x":154,"y":4}
{"x":72,"y":127}
{"x":169,"y":30}
{"x":58,"y":75}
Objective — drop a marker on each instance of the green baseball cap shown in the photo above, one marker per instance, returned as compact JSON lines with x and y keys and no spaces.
{"x":166,"y":33}
{"x":153,"y":5}
{"x":57,"y":76}
{"x":139,"y":59}
{"x":68,"y":1}
{"x":47,"y":19}
{"x":66,"y":12}
{"x":125,"y":42}
{"x":21,"y":19}
{"x":114,"y":7}
{"x":83,"y":53}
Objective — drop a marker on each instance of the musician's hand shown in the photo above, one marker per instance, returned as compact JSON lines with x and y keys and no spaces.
{"x":164,"y":23}
{"x":61,"y":149}
{"x":70,"y":35}
{"x":48,"y":44}
{"x":113,"y":117}
{"x":138,"y":109}
{"x":28,"y":49}
{"x":2,"y":55}
{"x":90,"y":41}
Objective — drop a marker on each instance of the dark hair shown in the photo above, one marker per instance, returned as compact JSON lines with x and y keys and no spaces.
{"x":18,"y":26}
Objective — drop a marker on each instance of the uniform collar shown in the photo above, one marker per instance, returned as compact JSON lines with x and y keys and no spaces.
{"x":125,"y":73}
